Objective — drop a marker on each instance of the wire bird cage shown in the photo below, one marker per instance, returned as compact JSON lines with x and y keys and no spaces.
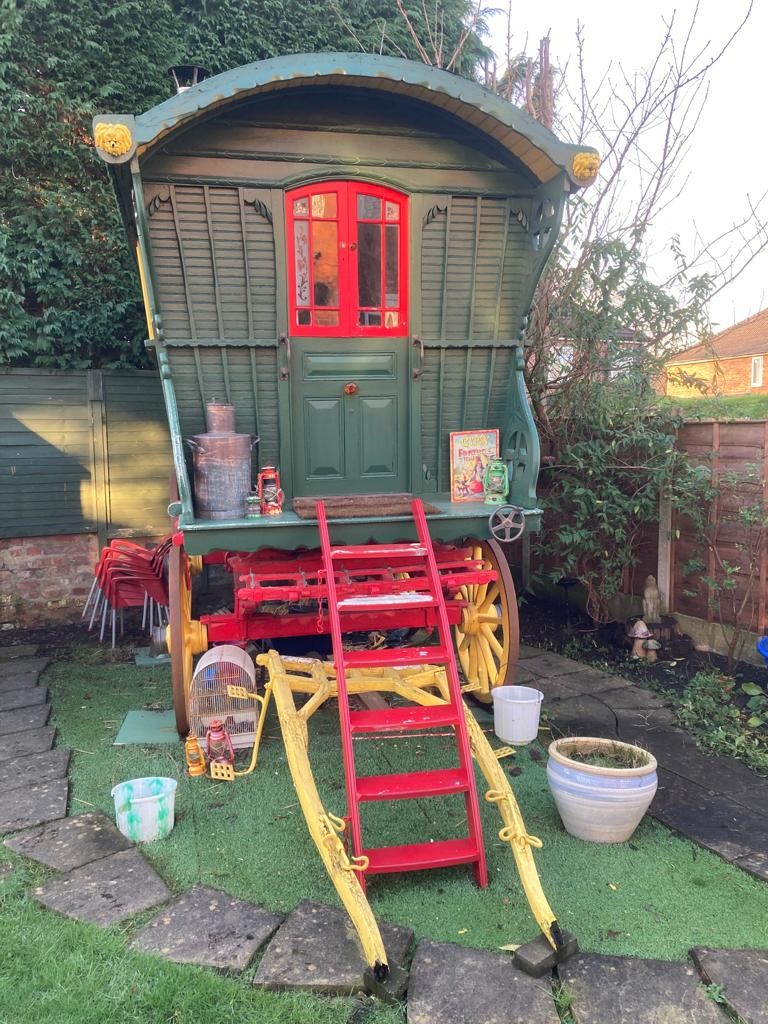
{"x":219,"y":668}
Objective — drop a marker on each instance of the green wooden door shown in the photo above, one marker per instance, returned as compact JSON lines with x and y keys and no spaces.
{"x":349,"y":401}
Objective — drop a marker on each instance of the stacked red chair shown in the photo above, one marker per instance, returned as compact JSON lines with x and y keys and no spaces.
{"x":129,"y":575}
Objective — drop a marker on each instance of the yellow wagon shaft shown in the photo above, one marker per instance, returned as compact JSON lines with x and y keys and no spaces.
{"x":426,"y":686}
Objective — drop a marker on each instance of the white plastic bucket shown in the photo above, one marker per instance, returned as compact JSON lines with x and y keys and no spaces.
{"x":516,"y":711}
{"x":144,"y":808}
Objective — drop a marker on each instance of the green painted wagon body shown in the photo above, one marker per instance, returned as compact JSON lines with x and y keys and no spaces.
{"x":213,"y":185}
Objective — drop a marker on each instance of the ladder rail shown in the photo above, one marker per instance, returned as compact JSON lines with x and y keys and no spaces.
{"x":347,"y":745}
{"x":454,"y":688}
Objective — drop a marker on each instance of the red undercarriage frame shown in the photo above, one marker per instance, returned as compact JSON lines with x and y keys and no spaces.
{"x":270,"y":578}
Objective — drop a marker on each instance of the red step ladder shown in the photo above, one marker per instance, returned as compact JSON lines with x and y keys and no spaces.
{"x":407,"y":785}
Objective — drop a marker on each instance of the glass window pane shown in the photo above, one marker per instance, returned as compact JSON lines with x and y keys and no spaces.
{"x":325,"y":263}
{"x":301,"y":251}
{"x":391,"y":319}
{"x":392,"y":286}
{"x":303,"y":318}
{"x":392,"y":210}
{"x":368,"y":207}
{"x":301,"y":207}
{"x":365,"y":318}
{"x":327,"y":318}
{"x":324,"y":205}
{"x":369,"y":264}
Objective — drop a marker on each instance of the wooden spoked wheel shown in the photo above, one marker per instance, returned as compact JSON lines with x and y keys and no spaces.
{"x":186,"y":637}
{"x":488,"y":636}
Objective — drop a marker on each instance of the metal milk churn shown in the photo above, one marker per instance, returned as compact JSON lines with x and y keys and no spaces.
{"x":222,"y":465}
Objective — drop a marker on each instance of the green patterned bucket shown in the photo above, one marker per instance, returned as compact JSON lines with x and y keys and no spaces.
{"x":145,"y":808}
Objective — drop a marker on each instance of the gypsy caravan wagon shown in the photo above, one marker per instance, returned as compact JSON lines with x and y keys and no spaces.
{"x":343,"y":248}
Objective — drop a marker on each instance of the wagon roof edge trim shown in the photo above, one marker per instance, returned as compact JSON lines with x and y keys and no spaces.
{"x":471,"y":103}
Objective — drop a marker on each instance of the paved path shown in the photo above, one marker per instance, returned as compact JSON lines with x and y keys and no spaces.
{"x":714,"y":801}
{"x":102,"y":879}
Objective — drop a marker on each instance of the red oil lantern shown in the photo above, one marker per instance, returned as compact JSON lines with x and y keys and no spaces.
{"x":218,"y":745}
{"x":269,"y":491}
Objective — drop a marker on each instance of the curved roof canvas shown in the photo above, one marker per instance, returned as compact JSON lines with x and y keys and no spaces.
{"x":534,"y":146}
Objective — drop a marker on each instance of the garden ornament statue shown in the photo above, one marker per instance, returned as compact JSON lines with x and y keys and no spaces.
{"x":639,"y":634}
{"x":651,"y":600}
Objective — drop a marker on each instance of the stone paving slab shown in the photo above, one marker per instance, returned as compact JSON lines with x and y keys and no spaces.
{"x":71,"y":842}
{"x":625,"y":990}
{"x":23,"y":719}
{"x":755,"y":863}
{"x":453,"y":984}
{"x":743,"y":976}
{"x":526,"y":651}
{"x":581,"y":716}
{"x":316,"y":948}
{"x":19,"y":665}
{"x":22,"y":697}
{"x":638,"y":726}
{"x":710,"y":819}
{"x":20,"y":771}
{"x":18,"y":651}
{"x":561,"y":687}
{"x":21,"y":744}
{"x":208,"y":928}
{"x":106,"y":891}
{"x":548,"y":664}
{"x":632,"y":698}
{"x":17,"y":680}
{"x":32,"y":805}
{"x":522,"y":675}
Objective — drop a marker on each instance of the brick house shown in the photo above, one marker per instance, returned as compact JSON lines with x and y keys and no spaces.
{"x":733,"y":362}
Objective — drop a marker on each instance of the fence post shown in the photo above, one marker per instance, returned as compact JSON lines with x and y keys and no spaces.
{"x":664,"y":578}
{"x":99,"y":454}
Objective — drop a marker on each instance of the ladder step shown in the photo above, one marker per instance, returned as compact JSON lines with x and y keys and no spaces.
{"x":410,"y":785}
{"x":418,"y":856}
{"x":387,"y":602}
{"x":380,"y":551}
{"x":396,"y":657}
{"x":403,"y":719}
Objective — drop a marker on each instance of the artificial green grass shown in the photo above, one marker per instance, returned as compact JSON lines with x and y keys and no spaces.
{"x":655,"y":897}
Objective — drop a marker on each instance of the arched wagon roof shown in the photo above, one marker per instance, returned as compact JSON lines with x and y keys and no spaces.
{"x":533,"y":145}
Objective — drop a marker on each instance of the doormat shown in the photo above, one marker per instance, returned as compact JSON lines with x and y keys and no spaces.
{"x":148,"y":728}
{"x":361,"y":506}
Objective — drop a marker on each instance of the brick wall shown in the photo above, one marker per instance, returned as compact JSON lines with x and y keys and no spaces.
{"x":45,"y":580}
{"x":727,"y":376}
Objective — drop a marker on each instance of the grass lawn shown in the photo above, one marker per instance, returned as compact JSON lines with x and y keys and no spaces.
{"x":723,"y":407}
{"x":655,"y":897}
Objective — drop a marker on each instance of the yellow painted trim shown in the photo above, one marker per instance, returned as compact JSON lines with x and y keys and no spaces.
{"x":145,"y":293}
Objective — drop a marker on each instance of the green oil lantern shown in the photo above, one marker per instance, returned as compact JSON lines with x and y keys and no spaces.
{"x":496,"y":482}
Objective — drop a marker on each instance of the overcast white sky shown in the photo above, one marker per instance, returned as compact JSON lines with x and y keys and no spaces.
{"x":727,"y":157}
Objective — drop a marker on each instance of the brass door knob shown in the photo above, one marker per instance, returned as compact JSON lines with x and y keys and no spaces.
{"x":351,"y":389}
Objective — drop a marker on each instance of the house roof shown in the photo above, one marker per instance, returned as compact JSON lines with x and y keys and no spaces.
{"x":747,"y":338}
{"x":541,"y":152}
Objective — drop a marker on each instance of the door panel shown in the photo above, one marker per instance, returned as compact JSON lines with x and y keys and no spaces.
{"x":323,"y":439}
{"x":378,"y":437}
{"x":349,"y":415}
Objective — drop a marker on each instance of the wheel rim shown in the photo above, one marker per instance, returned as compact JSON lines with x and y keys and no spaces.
{"x":488,"y":636}
{"x":180,"y":598}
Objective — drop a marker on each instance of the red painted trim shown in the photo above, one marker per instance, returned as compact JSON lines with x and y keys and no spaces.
{"x":347,"y":193}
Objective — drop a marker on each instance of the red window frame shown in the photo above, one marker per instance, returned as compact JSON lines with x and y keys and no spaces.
{"x":301,"y":267}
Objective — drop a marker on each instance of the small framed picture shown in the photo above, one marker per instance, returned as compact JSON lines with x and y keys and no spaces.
{"x":471,"y":451}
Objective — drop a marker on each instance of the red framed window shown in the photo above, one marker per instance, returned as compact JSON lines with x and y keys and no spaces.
{"x":347,"y":259}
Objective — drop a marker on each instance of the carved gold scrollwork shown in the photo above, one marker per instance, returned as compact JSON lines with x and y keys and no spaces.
{"x":585,"y":166}
{"x":114,"y":139}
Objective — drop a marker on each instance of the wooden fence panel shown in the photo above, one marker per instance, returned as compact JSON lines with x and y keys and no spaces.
{"x":82,"y":452}
{"x":726,"y":448}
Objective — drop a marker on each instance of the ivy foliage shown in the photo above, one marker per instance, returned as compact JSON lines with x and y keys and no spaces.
{"x":69,"y":295}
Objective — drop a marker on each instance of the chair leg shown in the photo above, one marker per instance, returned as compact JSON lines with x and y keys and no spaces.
{"x":96,"y":606}
{"x":104,"y":608}
{"x":113,"y":629}
{"x":87,"y":604}
{"x":122,"y":622}
{"x":144,"y":614}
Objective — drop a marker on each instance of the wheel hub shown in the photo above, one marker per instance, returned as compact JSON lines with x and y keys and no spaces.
{"x":195,"y":637}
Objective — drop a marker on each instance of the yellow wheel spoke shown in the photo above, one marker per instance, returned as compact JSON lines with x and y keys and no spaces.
{"x":493,"y":643}
{"x":490,"y":620}
{"x":491,"y":597}
{"x":490,"y":664}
